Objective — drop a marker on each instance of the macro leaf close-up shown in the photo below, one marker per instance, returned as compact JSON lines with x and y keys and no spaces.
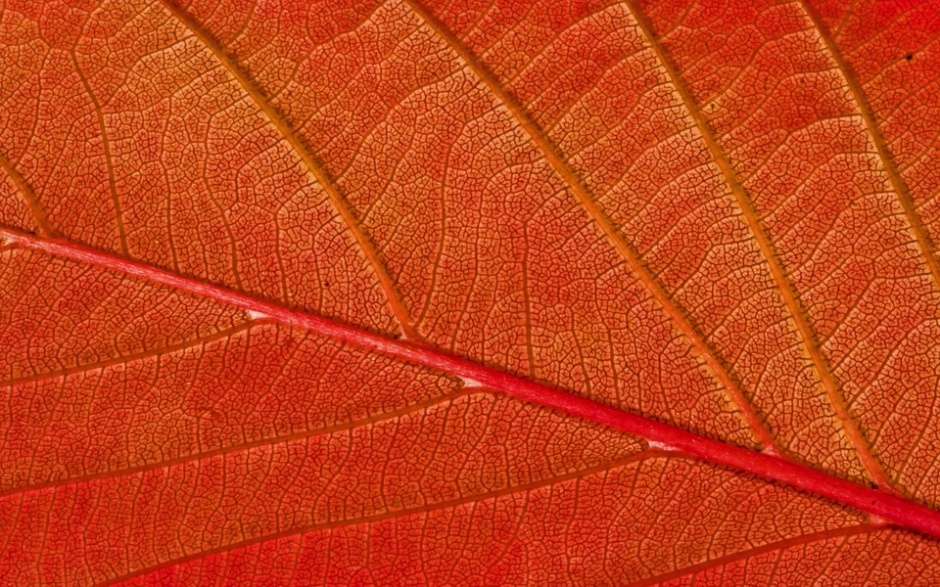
{"x":470,"y":292}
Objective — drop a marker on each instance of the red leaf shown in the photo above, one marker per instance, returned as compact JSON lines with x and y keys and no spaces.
{"x":472,"y":293}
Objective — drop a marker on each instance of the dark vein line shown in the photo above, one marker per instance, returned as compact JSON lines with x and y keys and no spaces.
{"x":314,"y":167}
{"x":784,"y":287}
{"x":106,"y":145}
{"x":29,"y":198}
{"x":626,"y":250}
{"x":881,"y":147}
{"x":848,"y":532}
{"x":145,"y":354}
{"x":849,"y":12}
{"x":245,"y":446}
{"x":371,"y":519}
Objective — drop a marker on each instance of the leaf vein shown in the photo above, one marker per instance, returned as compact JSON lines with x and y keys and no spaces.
{"x":203,"y":454}
{"x":444,"y":505}
{"x":898,"y":185}
{"x":29,"y":198}
{"x":314,"y":167}
{"x":896,"y":509}
{"x":550,"y":152}
{"x":784,"y":287}
{"x":842,"y":533}
{"x":130,"y":358}
{"x":106,"y":147}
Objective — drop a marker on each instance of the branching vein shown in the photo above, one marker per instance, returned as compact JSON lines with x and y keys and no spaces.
{"x":314,"y":167}
{"x":550,"y":152}
{"x":787,"y":292}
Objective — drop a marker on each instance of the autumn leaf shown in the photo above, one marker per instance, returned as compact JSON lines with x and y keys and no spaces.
{"x":471,"y":293}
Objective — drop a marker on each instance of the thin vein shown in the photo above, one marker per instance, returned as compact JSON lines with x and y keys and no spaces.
{"x":861,"y":529}
{"x":249,"y":445}
{"x":444,"y":505}
{"x":625,"y":249}
{"x":898,"y":185}
{"x":106,"y":146}
{"x":849,"y":12}
{"x":889,"y":506}
{"x":29,"y":198}
{"x":784,"y":287}
{"x":139,"y":356}
{"x":314,"y":167}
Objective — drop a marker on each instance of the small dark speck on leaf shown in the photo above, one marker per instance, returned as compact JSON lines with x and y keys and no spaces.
{"x":908,"y":56}
{"x":326,"y":284}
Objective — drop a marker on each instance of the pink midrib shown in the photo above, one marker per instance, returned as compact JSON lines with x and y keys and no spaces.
{"x":892,"y":508}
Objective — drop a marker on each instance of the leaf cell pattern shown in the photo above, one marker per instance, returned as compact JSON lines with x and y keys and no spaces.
{"x":253,"y":252}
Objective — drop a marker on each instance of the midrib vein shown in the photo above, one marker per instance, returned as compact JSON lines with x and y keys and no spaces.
{"x":893,"y":508}
{"x":881,"y":147}
{"x":29,"y":198}
{"x":314,"y":167}
{"x":597,"y":215}
{"x":784,"y":287}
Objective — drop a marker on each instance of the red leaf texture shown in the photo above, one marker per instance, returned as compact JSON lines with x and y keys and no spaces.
{"x":469,"y":293}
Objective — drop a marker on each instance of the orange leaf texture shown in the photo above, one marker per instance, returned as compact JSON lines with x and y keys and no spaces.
{"x":469,"y":292}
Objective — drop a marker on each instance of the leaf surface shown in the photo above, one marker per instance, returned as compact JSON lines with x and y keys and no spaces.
{"x":469,"y":293}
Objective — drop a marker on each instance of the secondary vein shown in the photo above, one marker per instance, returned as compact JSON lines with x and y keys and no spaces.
{"x":29,"y":198}
{"x":881,"y":147}
{"x":804,"y":539}
{"x":314,"y":167}
{"x":782,"y":282}
{"x":626,"y":250}
{"x":202,"y":454}
{"x":106,"y":148}
{"x":370,"y":519}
